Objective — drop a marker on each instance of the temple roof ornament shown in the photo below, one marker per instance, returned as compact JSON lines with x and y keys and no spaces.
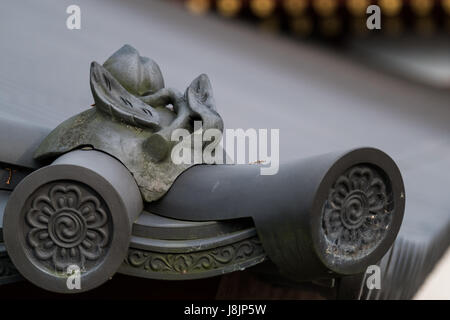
{"x":104,"y":197}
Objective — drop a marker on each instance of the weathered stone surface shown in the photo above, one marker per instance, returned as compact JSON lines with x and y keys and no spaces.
{"x":133,"y":119}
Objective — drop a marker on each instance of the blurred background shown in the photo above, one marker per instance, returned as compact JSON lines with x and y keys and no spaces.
{"x":309,"y":68}
{"x":413,"y":40}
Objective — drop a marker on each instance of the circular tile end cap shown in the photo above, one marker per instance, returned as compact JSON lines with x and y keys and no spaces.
{"x":67,"y":226}
{"x":358,"y":210}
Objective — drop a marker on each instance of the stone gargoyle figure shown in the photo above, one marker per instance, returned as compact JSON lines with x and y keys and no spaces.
{"x":323,"y":217}
{"x":133,"y":118}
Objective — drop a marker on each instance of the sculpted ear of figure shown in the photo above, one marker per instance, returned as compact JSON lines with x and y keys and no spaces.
{"x":201,"y":101}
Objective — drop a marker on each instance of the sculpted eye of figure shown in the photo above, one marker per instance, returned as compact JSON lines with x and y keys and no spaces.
{"x":133,"y":119}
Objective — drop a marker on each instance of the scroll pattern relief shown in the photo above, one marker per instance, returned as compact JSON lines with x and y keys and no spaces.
{"x":182,"y":263}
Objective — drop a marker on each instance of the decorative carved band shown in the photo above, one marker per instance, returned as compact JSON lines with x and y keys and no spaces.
{"x":67,"y":223}
{"x":226,"y":257}
{"x":358,"y":212}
